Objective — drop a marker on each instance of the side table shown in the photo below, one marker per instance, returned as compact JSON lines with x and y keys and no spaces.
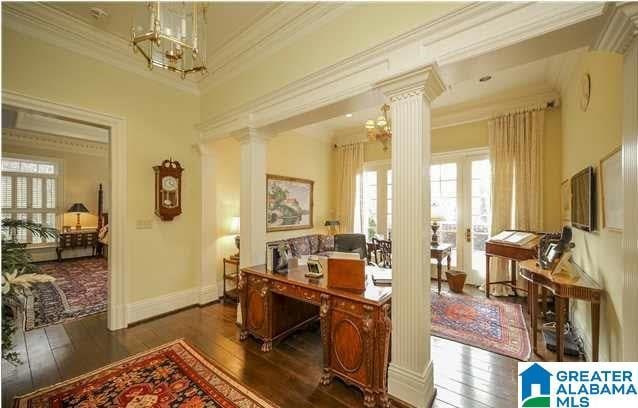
{"x":233,"y":276}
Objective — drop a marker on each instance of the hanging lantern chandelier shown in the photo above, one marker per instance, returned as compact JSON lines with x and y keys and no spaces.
{"x":175,"y":38}
{"x":380,"y":129}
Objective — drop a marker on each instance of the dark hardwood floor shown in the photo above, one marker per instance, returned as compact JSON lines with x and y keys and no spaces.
{"x":289,"y":375}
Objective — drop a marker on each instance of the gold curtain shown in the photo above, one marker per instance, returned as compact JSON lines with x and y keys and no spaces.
{"x":515,"y":145}
{"x":349,"y":163}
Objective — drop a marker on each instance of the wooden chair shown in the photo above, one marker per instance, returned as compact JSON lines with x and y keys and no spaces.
{"x":385,"y":251}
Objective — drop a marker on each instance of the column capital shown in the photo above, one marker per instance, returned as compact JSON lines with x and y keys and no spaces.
{"x":620,"y":28}
{"x":250,"y":134}
{"x":425,"y":81}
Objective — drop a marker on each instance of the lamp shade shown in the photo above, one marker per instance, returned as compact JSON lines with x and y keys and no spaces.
{"x":78,"y":208}
{"x":436,"y":213}
{"x":331,"y":223}
{"x":234,"y":225}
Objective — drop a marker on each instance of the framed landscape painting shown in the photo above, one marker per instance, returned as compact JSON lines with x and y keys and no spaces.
{"x":289,"y":203}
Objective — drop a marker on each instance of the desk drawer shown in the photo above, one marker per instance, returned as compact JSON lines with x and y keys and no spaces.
{"x":297,"y":292}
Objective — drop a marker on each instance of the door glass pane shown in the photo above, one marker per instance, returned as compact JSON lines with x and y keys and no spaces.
{"x":36,"y":194}
{"x":443,"y":178}
{"x":50,"y":198}
{"x":370,"y":203}
{"x":6,"y":192}
{"x":21,"y":192}
{"x":480,"y":212}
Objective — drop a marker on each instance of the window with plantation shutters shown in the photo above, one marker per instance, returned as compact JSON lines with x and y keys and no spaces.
{"x":29,"y":192}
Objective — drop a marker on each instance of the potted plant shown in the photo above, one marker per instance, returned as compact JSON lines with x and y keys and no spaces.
{"x":18,"y":274}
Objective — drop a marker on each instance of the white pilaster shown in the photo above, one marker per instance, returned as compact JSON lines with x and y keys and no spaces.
{"x":410,"y":375}
{"x":208,"y":291}
{"x":252,"y":197}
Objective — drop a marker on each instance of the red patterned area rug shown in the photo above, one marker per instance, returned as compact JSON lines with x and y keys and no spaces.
{"x":491,"y":325}
{"x":173,"y":375}
{"x":79,"y":290}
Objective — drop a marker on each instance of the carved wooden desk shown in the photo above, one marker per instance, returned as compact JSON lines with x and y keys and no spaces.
{"x":574,"y":284}
{"x":355,"y":327}
{"x":439,"y":252}
{"x":508,"y":252}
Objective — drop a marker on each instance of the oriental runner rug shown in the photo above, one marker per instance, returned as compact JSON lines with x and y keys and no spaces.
{"x":488,"y":324}
{"x":79,"y":289}
{"x":170,"y":376}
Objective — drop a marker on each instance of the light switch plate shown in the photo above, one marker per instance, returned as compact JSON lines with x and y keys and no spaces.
{"x":144,"y":224}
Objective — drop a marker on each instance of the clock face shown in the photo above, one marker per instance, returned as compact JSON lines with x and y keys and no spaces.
{"x":169,"y":183}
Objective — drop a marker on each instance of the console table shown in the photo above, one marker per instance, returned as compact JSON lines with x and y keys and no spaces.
{"x":355,"y":327}
{"x":76,"y":239}
{"x":232,"y":293}
{"x":439,"y":252}
{"x":565,"y":285}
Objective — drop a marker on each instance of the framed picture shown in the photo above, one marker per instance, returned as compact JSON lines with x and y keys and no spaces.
{"x":289,"y":203}
{"x":611,"y":190}
{"x":565,"y":201}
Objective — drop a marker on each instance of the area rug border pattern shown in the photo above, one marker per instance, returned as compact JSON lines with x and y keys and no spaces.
{"x":21,"y":401}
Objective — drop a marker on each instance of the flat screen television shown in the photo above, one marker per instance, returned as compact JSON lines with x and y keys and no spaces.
{"x":584,"y":200}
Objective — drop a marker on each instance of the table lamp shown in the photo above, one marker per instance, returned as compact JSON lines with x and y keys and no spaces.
{"x":234,"y":229}
{"x":78,"y":208}
{"x":332,"y":225}
{"x":436,"y":215}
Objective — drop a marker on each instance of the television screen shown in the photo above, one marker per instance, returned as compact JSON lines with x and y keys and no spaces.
{"x":583,"y":200}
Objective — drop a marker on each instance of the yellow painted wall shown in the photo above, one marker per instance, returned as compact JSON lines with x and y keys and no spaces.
{"x":355,"y":30}
{"x":289,"y":155}
{"x":474,"y":135}
{"x":82,"y":174}
{"x":160,"y":121}
{"x":587,"y":137}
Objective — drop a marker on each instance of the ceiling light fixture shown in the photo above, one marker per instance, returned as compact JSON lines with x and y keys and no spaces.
{"x":348,"y":115}
{"x":175,"y":38}
{"x":485,"y":78}
{"x":380,"y":130}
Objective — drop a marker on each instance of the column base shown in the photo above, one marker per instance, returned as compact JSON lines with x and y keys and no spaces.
{"x":415,"y":389}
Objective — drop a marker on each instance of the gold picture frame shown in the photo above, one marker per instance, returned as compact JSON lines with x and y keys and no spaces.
{"x":611,"y":197}
{"x":289,"y":203}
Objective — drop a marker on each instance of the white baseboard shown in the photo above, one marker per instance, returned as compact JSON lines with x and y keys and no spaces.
{"x":147,"y":308}
{"x":412,"y":388}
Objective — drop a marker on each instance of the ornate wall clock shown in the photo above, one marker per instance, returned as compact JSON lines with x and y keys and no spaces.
{"x":585,"y":91}
{"x":168,"y":189}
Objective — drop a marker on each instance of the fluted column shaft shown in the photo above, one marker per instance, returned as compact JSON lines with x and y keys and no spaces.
{"x":410,"y":376}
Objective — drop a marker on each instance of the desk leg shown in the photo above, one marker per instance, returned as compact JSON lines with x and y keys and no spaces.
{"x":242,"y":285}
{"x":532,"y":296}
{"x":513,"y":276}
{"x":560,"y":324}
{"x":324,"y":316}
{"x":487,"y":276}
{"x":543,"y":302}
{"x":595,"y":329}
{"x":439,"y":269}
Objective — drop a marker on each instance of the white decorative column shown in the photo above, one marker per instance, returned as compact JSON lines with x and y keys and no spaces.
{"x":410,"y":375}
{"x":252,"y":199}
{"x":208,"y":288}
{"x":620,"y":35}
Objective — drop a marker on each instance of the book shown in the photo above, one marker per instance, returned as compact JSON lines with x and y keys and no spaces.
{"x":517,"y":238}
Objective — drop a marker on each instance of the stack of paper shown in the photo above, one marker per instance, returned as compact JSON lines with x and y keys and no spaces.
{"x":381,"y":276}
{"x":517,"y":238}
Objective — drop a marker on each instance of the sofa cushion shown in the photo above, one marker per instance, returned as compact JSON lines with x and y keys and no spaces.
{"x":326,"y":243}
{"x":300,"y":246}
{"x":313,"y":240}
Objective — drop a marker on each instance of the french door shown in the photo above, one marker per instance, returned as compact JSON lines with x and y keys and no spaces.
{"x":460,"y":188}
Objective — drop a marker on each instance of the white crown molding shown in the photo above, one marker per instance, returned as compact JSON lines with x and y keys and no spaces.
{"x":38,"y":140}
{"x":48,"y":24}
{"x":483,"y":109}
{"x":620,"y":28}
{"x":469,"y":31}
{"x":280,"y":27}
{"x":55,"y":126}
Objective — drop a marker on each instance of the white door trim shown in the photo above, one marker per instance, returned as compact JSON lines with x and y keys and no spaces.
{"x":118,"y":253}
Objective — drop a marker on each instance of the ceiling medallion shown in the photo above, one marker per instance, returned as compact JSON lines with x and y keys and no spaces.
{"x":175,"y":36}
{"x":380,"y":129}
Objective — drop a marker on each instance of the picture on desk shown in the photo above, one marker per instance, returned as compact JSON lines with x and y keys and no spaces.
{"x":289,"y":203}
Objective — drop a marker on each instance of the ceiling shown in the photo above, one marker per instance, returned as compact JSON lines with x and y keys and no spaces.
{"x":225,"y":19}
{"x":514,"y":82}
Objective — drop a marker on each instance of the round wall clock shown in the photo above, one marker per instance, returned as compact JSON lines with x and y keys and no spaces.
{"x":585,"y":91}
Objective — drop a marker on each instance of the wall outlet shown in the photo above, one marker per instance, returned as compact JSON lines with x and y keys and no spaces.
{"x":144,"y":224}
